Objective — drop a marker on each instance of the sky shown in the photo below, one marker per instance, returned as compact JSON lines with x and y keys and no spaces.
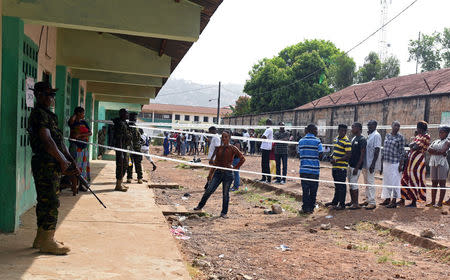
{"x":242,"y":32}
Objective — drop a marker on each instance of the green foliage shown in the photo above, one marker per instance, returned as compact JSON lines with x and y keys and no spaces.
{"x":426,"y":51}
{"x":373,"y":69}
{"x":370,"y":69}
{"x":389,"y":68}
{"x":242,"y":106}
{"x":445,"y":51}
{"x":342,"y":72}
{"x":298,"y":75}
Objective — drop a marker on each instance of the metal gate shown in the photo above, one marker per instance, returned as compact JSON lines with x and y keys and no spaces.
{"x":29,"y":64}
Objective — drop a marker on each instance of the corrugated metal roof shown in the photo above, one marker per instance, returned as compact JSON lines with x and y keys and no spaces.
{"x":416,"y":84}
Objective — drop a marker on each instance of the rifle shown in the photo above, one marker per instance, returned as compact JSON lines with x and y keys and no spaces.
{"x":87,"y":186}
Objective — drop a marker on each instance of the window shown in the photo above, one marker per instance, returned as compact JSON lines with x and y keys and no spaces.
{"x":167,"y":117}
{"x":196,"y":118}
{"x":205,"y":119}
{"x":177,"y":117}
{"x":214,"y":120}
{"x":186,"y":118}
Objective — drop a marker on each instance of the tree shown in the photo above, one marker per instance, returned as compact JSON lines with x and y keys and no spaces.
{"x":370,"y":69}
{"x":390,"y":68}
{"x":426,"y":51}
{"x":299,"y":74}
{"x":445,"y":40}
{"x":342,"y":72}
{"x":242,"y":106}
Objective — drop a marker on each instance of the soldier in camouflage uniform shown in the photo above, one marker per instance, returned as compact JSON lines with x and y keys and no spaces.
{"x":50,"y":159}
{"x":101,"y":141}
{"x":122,"y":140}
{"x":137,"y":143}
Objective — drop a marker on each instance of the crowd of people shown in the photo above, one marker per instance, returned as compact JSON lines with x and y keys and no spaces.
{"x":401,"y":164}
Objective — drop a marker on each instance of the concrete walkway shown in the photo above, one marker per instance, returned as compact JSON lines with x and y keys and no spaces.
{"x":128,"y":240}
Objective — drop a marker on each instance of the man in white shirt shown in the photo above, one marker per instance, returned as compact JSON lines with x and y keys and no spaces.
{"x":372,"y":163}
{"x":213,"y":142}
{"x":266,"y":147}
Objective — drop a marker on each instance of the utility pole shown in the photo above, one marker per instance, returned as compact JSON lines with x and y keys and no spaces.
{"x":417,"y":58}
{"x":218,"y":105}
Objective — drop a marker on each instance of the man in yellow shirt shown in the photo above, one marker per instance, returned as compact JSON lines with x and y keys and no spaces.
{"x":342,"y":151}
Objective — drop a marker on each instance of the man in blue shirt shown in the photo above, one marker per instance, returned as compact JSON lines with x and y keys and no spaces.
{"x":309,"y":150}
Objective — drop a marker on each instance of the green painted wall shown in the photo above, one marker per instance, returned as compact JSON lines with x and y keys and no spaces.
{"x":19,"y":60}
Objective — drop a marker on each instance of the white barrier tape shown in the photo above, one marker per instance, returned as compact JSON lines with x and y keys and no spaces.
{"x":287,"y":127}
{"x":233,"y":137}
{"x":248,"y":171}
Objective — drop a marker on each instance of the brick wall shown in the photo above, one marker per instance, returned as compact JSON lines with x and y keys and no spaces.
{"x":406,"y":110}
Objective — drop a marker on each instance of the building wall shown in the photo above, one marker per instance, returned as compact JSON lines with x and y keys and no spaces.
{"x":47,"y":50}
{"x":407,"y":110}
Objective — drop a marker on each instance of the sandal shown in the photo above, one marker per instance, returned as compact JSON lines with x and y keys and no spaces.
{"x":437,"y":206}
{"x":429,"y":205}
{"x":446,"y":202}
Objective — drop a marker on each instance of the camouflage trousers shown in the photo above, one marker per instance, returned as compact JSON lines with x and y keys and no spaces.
{"x":136,"y":160}
{"x":121,"y":164}
{"x":46,"y":179}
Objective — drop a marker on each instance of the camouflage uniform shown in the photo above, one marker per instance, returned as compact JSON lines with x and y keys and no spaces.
{"x":45,"y":168}
{"x":135,"y":159}
{"x":122,"y":139}
{"x":101,"y":141}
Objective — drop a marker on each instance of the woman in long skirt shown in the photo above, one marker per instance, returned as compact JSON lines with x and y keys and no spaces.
{"x":414,"y":174}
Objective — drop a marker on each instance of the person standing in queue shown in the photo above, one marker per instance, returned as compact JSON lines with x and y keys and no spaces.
{"x":342,"y":151}
{"x":122,"y":140}
{"x":223,"y":157}
{"x":50,"y":160}
{"x":266,"y":147}
{"x":135,"y":160}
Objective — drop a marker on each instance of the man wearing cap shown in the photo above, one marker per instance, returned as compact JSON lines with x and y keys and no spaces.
{"x":122,"y":140}
{"x":135,"y":160}
{"x":50,"y":160}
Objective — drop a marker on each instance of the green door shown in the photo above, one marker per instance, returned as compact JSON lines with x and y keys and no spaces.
{"x":29,"y":70}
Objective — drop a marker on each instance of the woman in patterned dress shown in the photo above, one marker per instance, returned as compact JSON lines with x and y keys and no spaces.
{"x":79,"y":129}
{"x":414,"y":173}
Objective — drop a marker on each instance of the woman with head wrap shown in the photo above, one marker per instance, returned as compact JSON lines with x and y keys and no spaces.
{"x":414,"y":173}
{"x":439,"y":165}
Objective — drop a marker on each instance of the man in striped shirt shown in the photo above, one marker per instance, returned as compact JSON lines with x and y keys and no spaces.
{"x":309,"y":150}
{"x":341,"y":154}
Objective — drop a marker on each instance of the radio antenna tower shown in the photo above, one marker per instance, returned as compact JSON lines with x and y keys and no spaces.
{"x":383,"y":44}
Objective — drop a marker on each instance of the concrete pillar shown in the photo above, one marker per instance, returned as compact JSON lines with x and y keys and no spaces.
{"x":74,"y":95}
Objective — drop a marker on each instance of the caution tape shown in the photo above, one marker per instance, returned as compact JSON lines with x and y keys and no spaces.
{"x":248,"y":171}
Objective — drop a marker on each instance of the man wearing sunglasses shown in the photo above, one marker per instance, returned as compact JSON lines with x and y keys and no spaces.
{"x":50,"y":160}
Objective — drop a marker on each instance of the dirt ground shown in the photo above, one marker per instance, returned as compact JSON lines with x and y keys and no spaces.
{"x":247,"y":245}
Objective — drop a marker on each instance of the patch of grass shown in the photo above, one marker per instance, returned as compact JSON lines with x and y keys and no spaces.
{"x":362,"y":247}
{"x":402,"y":263}
{"x":194,"y":272}
{"x":183,"y":166}
{"x":267,"y":199}
{"x":382,"y":259}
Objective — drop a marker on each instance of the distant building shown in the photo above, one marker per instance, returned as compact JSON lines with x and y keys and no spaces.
{"x":168,"y":113}
{"x":407,"y":99}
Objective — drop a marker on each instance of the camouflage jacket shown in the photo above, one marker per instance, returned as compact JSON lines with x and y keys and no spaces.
{"x":42,"y":117}
{"x":101,"y":137}
{"x":136,"y":139}
{"x":122,"y":134}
